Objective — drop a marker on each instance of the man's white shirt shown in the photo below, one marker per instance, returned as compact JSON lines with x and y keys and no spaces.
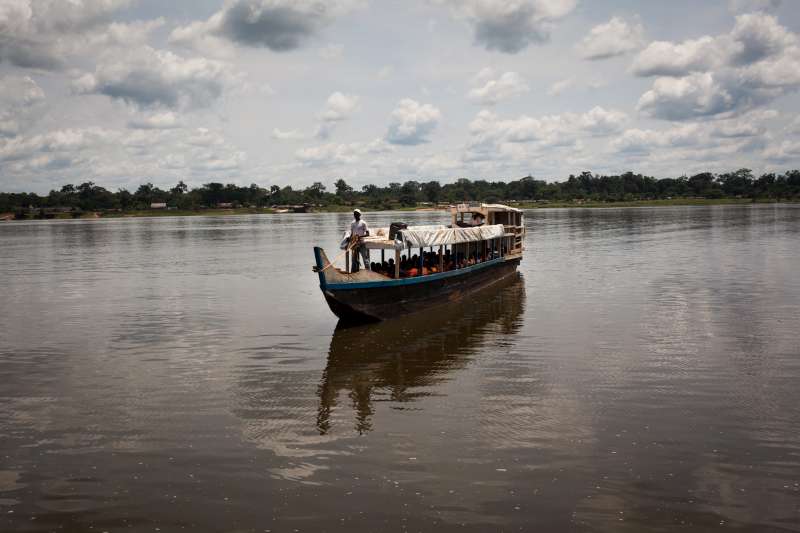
{"x":358,"y":228}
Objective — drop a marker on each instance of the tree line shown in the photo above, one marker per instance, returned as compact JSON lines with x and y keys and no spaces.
{"x":586,"y":186}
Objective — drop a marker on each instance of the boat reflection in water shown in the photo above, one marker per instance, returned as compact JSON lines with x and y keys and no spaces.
{"x":400,"y":360}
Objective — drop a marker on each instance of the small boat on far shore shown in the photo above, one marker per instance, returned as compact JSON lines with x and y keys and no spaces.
{"x":427,"y":265}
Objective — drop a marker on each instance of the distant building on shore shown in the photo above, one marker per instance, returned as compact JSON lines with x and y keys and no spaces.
{"x":158,"y":205}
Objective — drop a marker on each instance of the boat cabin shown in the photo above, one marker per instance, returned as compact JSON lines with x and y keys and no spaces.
{"x":477,"y":214}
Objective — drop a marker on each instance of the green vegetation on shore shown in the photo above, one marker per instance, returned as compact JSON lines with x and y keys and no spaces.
{"x":584,"y":190}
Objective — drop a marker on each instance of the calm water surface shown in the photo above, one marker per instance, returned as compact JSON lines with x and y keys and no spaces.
{"x":643,"y":373}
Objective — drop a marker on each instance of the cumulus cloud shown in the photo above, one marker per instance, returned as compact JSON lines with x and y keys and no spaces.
{"x":150,"y":78}
{"x":287,"y":135}
{"x":746,"y":132}
{"x":756,"y":36}
{"x":663,"y":58}
{"x":411,"y":122}
{"x":21,"y":101}
{"x":756,"y":62}
{"x":509,"y":27}
{"x":124,"y":34}
{"x":155,"y":121}
{"x":614,"y":38}
{"x":46,"y":151}
{"x":339,"y":107}
{"x":37,"y":33}
{"x":115,"y":155}
{"x":279,"y":25}
{"x":601,"y":121}
{"x":494,"y":91}
{"x":492,"y":136}
{"x":560,"y":86}
{"x":340,"y":154}
{"x":695,"y":95}
{"x":784,"y":152}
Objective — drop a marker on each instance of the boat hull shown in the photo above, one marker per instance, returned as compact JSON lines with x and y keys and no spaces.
{"x":376,"y":301}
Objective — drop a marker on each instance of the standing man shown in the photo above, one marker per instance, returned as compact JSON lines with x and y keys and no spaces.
{"x":358,"y":229}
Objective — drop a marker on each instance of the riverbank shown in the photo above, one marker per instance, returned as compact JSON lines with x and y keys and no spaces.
{"x":652,"y":203}
{"x":346,"y":209}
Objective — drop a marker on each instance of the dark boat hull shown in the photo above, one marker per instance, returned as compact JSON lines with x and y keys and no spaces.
{"x":364,"y":302}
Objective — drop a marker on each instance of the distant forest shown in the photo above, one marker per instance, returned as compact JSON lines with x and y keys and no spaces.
{"x":586,"y":186}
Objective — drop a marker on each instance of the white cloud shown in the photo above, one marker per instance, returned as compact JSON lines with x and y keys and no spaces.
{"x":124,"y":34}
{"x":117,"y":155}
{"x":601,"y":121}
{"x":510,"y":27}
{"x":411,"y":122}
{"x":509,"y":85}
{"x":287,"y":135}
{"x":785,"y":152}
{"x":662,"y":58}
{"x":755,"y":63}
{"x":691,"y":96}
{"x":614,"y":38}
{"x":279,"y":25}
{"x":493,"y":137}
{"x":149,"y":78}
{"x":340,"y":154}
{"x":155,"y":121}
{"x":746,"y":132}
{"x":560,"y":86}
{"x":754,"y":37}
{"x":38,"y":33}
{"x":338,"y":107}
{"x":757,"y":36}
{"x":21,"y":102}
{"x":43,"y":149}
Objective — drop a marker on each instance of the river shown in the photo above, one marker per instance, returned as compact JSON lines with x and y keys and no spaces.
{"x":165,"y":374}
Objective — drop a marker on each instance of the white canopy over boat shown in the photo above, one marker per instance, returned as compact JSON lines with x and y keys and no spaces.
{"x":425,"y":236}
{"x":421,"y":238}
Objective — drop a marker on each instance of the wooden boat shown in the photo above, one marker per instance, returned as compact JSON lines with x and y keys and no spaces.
{"x":452,"y":261}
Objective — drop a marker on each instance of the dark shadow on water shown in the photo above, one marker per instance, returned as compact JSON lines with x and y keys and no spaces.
{"x":403,"y":360}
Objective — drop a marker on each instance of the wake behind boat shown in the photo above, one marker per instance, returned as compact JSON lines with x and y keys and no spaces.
{"x":427,"y":265}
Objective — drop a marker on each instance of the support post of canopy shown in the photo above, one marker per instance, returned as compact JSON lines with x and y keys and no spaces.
{"x":397,"y":264}
{"x":383,"y":259}
{"x":441,"y":259}
{"x":421,"y":261}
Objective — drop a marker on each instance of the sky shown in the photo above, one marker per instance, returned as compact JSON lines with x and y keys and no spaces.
{"x":289,"y":92}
